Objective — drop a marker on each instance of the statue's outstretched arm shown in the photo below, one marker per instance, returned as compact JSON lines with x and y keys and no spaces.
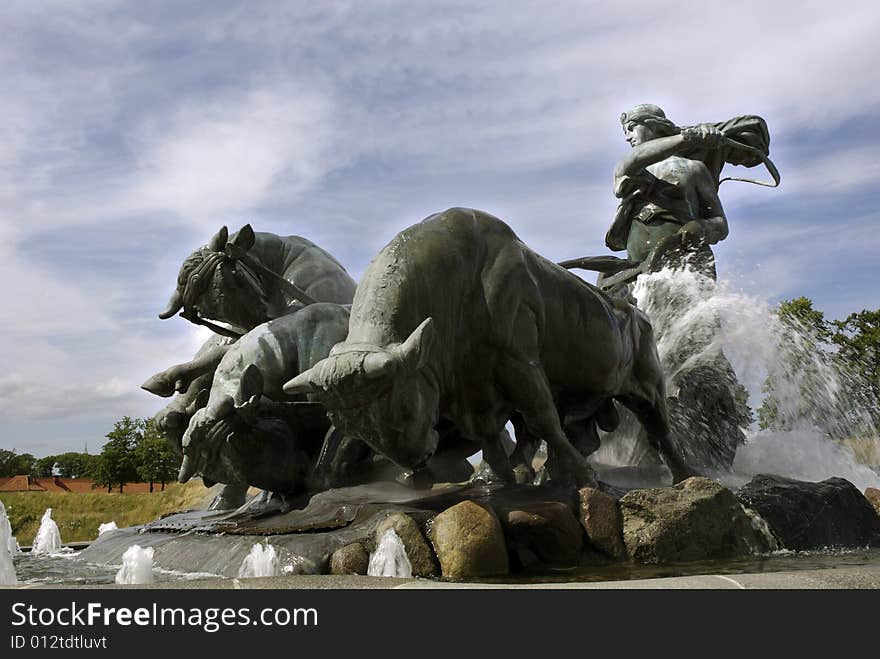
{"x":647,"y":153}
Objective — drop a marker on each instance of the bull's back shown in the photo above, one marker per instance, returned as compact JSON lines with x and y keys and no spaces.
{"x":431,"y":269}
{"x":582,"y":343}
{"x":282,"y":348}
{"x":308,"y":266}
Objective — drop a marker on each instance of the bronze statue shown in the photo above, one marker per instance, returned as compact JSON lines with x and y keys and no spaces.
{"x":668,"y":184}
{"x":457,"y":320}
{"x":670,"y":215}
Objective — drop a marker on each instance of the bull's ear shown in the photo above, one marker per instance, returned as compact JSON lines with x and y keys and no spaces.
{"x":417,"y":349}
{"x":200,"y":401}
{"x":244,"y":239}
{"x":250,"y":386}
{"x":218,"y":242}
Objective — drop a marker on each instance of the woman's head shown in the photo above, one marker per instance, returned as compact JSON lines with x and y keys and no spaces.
{"x":646,"y":122}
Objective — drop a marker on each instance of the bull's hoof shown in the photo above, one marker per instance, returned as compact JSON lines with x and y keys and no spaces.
{"x":523,"y":475}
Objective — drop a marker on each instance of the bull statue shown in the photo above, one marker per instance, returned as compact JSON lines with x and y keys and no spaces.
{"x":246,"y":430}
{"x":242,"y":281}
{"x":457,"y":320}
{"x":249,"y":278}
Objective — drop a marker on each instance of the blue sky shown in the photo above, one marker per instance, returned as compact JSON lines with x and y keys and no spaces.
{"x":130,"y":132}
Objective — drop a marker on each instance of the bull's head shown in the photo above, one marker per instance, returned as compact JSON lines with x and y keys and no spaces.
{"x":386,"y":396}
{"x":217,"y":420}
{"x":217,"y":283}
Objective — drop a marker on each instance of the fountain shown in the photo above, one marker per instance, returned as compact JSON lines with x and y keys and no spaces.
{"x":814,"y":399}
{"x":262,"y":561}
{"x":137,"y":566}
{"x":48,"y":539}
{"x":390,"y":559}
{"x":7,"y":569}
{"x":106,"y":527}
{"x":396,"y":366}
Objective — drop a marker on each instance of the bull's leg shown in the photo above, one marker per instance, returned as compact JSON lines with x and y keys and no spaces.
{"x":177,"y":378}
{"x":338,"y":461}
{"x":231,"y":496}
{"x":526,"y":384}
{"x":494,"y":453}
{"x":583,"y":432}
{"x":651,"y":413}
{"x":524,"y":452}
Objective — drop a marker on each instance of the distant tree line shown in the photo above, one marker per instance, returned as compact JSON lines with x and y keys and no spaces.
{"x":134,"y":452}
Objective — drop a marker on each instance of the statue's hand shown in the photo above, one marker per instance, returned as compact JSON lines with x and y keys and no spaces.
{"x":704,"y":134}
{"x":692,"y":233}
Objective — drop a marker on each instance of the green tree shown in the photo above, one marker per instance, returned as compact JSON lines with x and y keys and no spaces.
{"x":802,"y":353}
{"x":829,"y":375}
{"x":15,"y":464}
{"x":858,"y":339}
{"x":116,"y":464}
{"x":44,"y":467}
{"x":72,"y":465}
{"x":155,"y":460}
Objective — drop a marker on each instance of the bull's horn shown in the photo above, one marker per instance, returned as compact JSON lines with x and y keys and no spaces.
{"x":415,"y":350}
{"x":301,"y":384}
{"x":175,"y":304}
{"x":218,"y":241}
{"x":158,"y":385}
{"x":377,"y":364}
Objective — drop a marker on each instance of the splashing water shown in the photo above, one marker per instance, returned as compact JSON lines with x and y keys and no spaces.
{"x":390,"y":559}
{"x":7,"y":569}
{"x":105,"y":527}
{"x":48,"y":539}
{"x":137,"y":566}
{"x":262,"y":561}
{"x":815,"y":399}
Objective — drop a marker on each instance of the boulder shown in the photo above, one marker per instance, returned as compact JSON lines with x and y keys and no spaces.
{"x":697,"y":519}
{"x":417,"y":550}
{"x":600,"y":516}
{"x":804,"y":515}
{"x":469,"y":542}
{"x":544,"y":532}
{"x":872,"y":494}
{"x":350,"y":559}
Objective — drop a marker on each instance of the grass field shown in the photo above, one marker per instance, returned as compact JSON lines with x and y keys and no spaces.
{"x":79,"y":515}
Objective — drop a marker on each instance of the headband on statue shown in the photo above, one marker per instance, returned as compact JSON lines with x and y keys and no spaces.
{"x":641,"y":112}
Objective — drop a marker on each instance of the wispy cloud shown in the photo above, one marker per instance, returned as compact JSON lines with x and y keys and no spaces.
{"x":130,"y":131}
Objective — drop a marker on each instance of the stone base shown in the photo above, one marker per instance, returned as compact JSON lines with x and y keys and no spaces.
{"x":468,"y":531}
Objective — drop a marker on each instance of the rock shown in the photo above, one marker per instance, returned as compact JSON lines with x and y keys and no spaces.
{"x":804,"y":515}
{"x":350,"y":559}
{"x":417,"y":550}
{"x":872,"y":494}
{"x":544,"y":532}
{"x":469,"y":542}
{"x":601,"y":519}
{"x":696,"y":519}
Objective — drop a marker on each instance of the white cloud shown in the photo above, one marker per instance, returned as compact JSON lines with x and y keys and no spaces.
{"x":348,"y":118}
{"x":223,"y":155}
